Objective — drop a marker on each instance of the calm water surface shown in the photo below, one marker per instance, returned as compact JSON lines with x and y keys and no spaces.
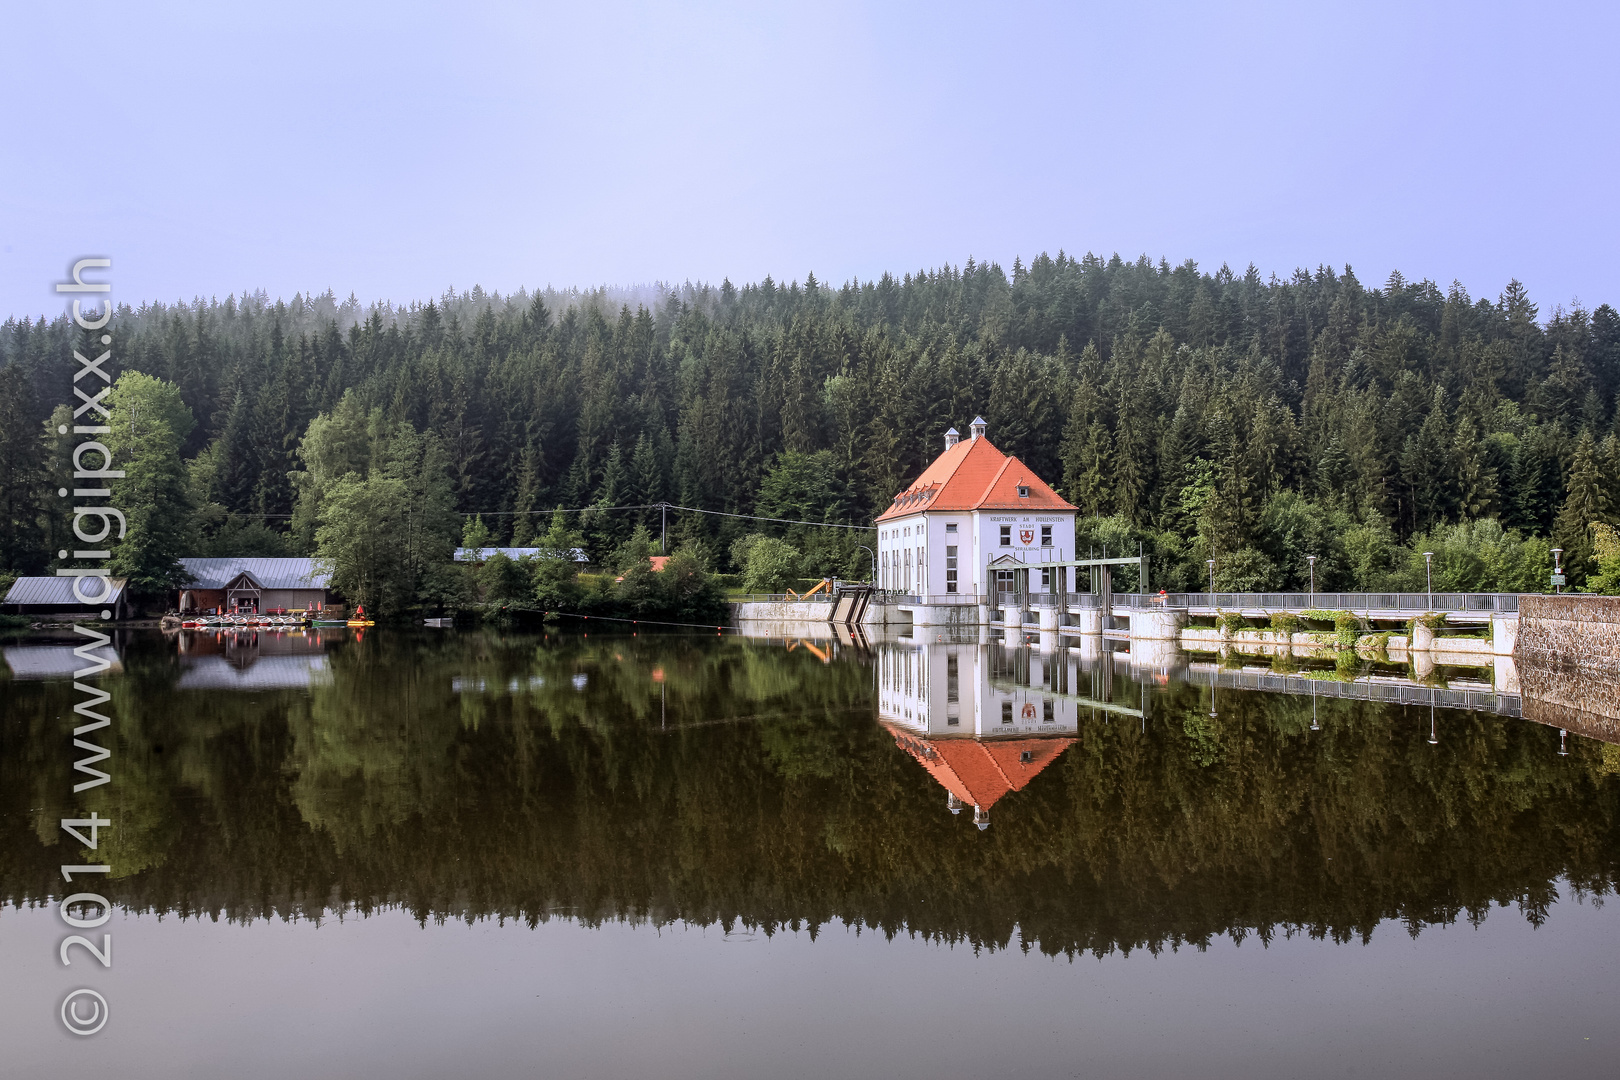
{"x":477,"y":854}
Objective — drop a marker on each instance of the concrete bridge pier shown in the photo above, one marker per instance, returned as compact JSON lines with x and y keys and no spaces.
{"x":1051,"y":618}
{"x":1154,"y":653}
{"x":1048,"y":642}
{"x":1149,"y":625}
{"x":1504,"y":634}
{"x":1505,"y":676}
{"x":1091,"y":620}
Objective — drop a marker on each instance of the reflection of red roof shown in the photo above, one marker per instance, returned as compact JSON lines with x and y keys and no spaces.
{"x":980,"y":772}
{"x":974,"y":475}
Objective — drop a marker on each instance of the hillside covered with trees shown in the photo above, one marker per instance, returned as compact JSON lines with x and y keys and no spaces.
{"x":1206,"y":415}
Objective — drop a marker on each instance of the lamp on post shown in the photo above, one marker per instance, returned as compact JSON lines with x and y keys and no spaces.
{"x":1312,"y":560}
{"x":872,"y":553}
{"x":1211,"y":579}
{"x":1558,"y":570}
{"x":1428,"y":572}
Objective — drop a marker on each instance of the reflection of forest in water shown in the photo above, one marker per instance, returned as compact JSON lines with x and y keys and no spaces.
{"x":711,"y":779}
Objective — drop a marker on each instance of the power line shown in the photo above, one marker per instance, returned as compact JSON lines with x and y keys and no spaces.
{"x":666,"y":506}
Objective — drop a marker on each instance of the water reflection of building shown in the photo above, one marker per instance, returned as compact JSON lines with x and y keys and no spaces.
{"x":254,"y":659}
{"x":57,"y":661}
{"x":983,"y":720}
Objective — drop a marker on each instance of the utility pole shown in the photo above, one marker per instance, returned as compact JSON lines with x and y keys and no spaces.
{"x":663,"y":528}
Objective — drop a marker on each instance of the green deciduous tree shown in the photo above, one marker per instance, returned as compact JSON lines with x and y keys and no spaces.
{"x":149,"y":422}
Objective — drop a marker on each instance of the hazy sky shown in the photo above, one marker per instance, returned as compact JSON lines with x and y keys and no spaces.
{"x":396,"y":149}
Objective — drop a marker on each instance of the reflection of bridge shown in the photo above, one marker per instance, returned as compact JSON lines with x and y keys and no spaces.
{"x":1391,"y":689}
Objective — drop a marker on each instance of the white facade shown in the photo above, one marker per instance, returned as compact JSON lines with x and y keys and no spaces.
{"x":949,"y":689}
{"x":913,"y":552}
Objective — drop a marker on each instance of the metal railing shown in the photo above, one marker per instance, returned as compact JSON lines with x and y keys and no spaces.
{"x":1363,"y":690}
{"x":1413,"y":603}
{"x":1416,"y":603}
{"x":776,"y":598}
{"x":934,"y":599}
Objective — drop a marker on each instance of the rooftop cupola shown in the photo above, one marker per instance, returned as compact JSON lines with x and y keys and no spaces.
{"x":951,"y":438}
{"x":977,"y":427}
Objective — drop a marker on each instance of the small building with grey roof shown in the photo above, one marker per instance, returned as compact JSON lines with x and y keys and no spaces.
{"x":254,"y":586}
{"x":53,"y":597}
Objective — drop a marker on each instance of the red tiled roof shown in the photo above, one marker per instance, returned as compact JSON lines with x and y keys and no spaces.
{"x":980,"y":772}
{"x":974,"y":475}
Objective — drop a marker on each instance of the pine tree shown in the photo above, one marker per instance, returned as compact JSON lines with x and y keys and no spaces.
{"x":608,"y":528}
{"x":1474,"y":485}
{"x":22,"y":476}
{"x":1586,"y":501}
{"x":528,"y":495}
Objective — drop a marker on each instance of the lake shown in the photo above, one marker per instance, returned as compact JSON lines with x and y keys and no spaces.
{"x":475,"y":853}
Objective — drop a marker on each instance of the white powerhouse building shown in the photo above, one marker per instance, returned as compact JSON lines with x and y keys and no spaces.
{"x":976,"y":521}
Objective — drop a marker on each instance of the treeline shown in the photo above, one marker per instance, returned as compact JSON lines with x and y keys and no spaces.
{"x":1204,"y":415}
{"x":720,"y":781}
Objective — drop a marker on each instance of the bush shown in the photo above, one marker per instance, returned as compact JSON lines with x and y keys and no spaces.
{"x":1284,"y":623}
{"x":1346,"y":625}
{"x":1230,"y":622}
{"x":556,"y":584}
{"x":1476,"y":556}
{"x":1606,"y":550}
{"x":503,"y":581}
{"x":769,"y":565}
{"x":1434,"y":620}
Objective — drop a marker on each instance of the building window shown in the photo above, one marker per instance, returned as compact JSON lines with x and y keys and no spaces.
{"x":1006,"y":712}
{"x":953,"y":721}
{"x":1046,"y":536}
{"x":1006,"y":536}
{"x":952,"y":684}
{"x":1026,"y":756}
{"x":1023,"y":491}
{"x":1047,"y":715}
{"x":950,"y":570}
{"x":950,"y":526}
{"x":1046,"y":579}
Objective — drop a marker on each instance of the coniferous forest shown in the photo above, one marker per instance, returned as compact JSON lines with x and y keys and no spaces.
{"x":1204,"y":415}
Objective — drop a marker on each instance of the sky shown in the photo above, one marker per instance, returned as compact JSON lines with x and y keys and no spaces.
{"x":396,"y":150}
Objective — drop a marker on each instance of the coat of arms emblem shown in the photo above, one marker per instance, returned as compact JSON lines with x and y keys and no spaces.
{"x":1026,"y":536}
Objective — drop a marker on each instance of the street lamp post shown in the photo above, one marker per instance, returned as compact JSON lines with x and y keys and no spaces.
{"x":1558,"y":569}
{"x":1312,"y":560}
{"x":1428,"y":572}
{"x":1211,"y":579}
{"x":872,"y":553}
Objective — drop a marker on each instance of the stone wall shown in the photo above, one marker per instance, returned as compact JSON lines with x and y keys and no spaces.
{"x":782,"y":611}
{"x":1585,"y":702}
{"x":1579,"y":632}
